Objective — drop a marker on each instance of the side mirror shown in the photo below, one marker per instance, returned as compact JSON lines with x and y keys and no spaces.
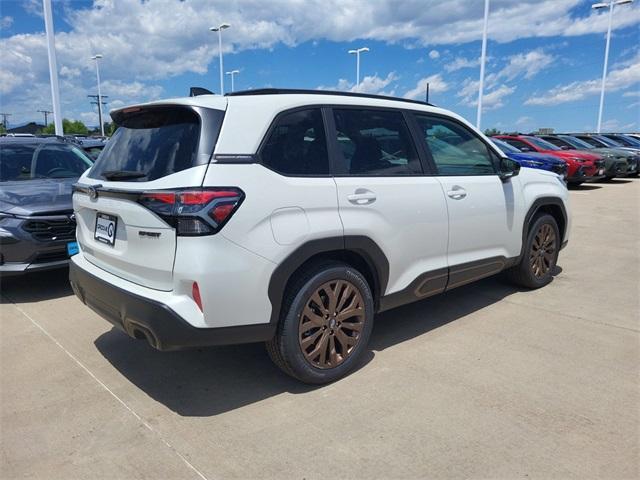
{"x":564,"y":147}
{"x":525,"y":149}
{"x":508,"y":169}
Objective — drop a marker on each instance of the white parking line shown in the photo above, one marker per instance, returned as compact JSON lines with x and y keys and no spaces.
{"x":138,"y":417}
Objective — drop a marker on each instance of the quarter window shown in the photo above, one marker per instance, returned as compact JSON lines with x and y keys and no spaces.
{"x":297,"y":145}
{"x":455,"y":149}
{"x":375,"y":142}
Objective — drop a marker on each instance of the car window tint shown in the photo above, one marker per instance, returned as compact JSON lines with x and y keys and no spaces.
{"x":455,"y":149}
{"x":375,"y":142}
{"x":523,"y":147}
{"x":297,"y":145}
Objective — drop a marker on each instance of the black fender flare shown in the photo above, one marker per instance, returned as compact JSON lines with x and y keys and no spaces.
{"x":535,"y":207}
{"x":362,"y":246}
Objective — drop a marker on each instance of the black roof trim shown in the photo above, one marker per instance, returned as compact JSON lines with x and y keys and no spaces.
{"x":290,"y":91}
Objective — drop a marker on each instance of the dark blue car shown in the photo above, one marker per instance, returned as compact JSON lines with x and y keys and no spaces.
{"x":533,"y":159}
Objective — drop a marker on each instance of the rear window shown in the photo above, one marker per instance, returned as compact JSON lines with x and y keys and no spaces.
{"x":152,"y":143}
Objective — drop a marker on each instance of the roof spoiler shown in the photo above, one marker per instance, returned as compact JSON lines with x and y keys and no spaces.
{"x":195,"y":91}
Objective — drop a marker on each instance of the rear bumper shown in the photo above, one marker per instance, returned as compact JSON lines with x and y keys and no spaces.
{"x":142,"y":317}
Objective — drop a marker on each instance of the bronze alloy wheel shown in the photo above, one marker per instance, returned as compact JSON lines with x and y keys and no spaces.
{"x":331,"y":324}
{"x":543,"y":250}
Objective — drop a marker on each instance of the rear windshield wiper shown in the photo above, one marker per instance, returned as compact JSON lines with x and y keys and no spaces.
{"x":122,"y":174}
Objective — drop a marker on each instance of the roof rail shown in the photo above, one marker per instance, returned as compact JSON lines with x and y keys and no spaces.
{"x":289,"y":91}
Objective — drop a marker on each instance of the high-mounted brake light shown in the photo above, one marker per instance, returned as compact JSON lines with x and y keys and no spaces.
{"x":194,"y":211}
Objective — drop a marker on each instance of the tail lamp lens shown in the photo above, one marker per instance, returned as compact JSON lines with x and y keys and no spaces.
{"x":194,"y":212}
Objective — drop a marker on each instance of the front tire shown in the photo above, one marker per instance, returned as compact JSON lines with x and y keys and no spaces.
{"x":539,"y":255}
{"x":326,"y":322}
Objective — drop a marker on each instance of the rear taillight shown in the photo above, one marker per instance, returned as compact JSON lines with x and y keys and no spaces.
{"x":195,"y":211}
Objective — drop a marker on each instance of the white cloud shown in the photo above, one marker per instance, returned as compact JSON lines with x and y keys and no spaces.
{"x":614,"y":125}
{"x":69,"y":72}
{"x":460,"y":62}
{"x":491,"y":99}
{"x":633,"y":93}
{"x":6,"y":21}
{"x":523,"y":121}
{"x":434,"y":54}
{"x":436,"y":85}
{"x":527,"y":64}
{"x":624,"y":75}
{"x":370,"y":84}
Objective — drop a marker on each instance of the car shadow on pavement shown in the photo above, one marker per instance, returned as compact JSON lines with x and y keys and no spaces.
{"x":35,"y":287}
{"x":210,"y":381}
{"x":583,"y":187}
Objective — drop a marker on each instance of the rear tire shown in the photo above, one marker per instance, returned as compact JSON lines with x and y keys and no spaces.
{"x":326,"y":322}
{"x":539,"y":254}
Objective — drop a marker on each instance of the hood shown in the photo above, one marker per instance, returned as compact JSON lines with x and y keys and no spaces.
{"x":36,"y":197}
{"x":616,"y":152}
{"x":576,"y":154}
{"x":535,"y":157}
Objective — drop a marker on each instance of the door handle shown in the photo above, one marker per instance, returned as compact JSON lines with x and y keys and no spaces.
{"x":457,"y":193}
{"x":362,"y":196}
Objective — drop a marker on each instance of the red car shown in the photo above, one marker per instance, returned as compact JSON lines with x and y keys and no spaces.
{"x":581,"y":166}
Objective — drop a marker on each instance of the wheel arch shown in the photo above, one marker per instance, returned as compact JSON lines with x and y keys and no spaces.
{"x":553,"y":206}
{"x":360,"y":252}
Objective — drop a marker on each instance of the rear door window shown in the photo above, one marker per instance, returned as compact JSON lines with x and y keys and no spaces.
{"x":297,"y":144}
{"x":150,"y":144}
{"x":375,"y":142}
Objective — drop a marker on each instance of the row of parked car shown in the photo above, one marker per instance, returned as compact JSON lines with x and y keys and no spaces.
{"x":579,"y":157}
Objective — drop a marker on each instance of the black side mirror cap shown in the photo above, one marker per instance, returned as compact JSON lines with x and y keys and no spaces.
{"x":508,"y":169}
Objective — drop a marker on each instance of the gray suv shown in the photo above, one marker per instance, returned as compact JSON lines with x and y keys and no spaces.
{"x":37,"y":225}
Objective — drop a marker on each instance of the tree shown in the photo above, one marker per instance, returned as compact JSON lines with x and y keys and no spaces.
{"x":2,"y":129}
{"x":69,"y":127}
{"x":492,"y":131}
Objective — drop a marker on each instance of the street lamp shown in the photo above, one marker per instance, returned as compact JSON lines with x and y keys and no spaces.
{"x":53,"y":67}
{"x":96,"y":58}
{"x":357,"y":53}
{"x":597,"y":6}
{"x":483,"y":58}
{"x":219,"y":29}
{"x":233,"y":73}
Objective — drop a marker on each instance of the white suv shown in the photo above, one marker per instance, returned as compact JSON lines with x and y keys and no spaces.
{"x":292,"y":217}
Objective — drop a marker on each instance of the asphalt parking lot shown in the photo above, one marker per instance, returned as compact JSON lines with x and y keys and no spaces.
{"x":483,"y":382}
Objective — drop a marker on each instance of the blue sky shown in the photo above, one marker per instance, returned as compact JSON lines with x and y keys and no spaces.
{"x":544,"y":68}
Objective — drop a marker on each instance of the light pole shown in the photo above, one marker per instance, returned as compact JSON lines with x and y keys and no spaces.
{"x":610,"y":6}
{"x":53,"y":66}
{"x":357,"y":53}
{"x":219,"y":29}
{"x":233,"y":73}
{"x":483,"y":58}
{"x":96,"y":58}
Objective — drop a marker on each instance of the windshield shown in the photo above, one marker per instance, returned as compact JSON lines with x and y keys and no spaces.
{"x":543,"y":144}
{"x":607,"y":141}
{"x":151,"y":143}
{"x":576,"y":142}
{"x":504,"y":146}
{"x":29,"y":161}
{"x":624,"y":140}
